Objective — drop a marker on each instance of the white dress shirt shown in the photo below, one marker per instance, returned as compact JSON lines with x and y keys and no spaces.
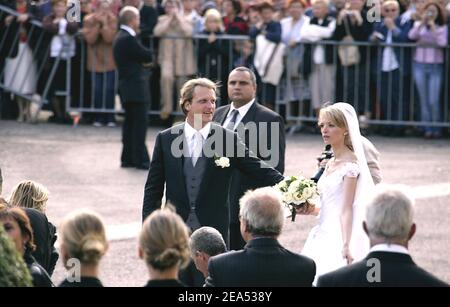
{"x":190,"y":134}
{"x":391,"y":248}
{"x":389,"y":62}
{"x":242,"y":111}
{"x":128,"y":29}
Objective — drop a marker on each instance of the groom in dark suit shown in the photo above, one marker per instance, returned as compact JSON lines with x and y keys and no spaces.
{"x":389,"y":225}
{"x":268,"y":144}
{"x":130,"y":57}
{"x":195,"y":161}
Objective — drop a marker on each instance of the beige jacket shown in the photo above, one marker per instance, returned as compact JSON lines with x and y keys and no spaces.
{"x":99,"y":33}
{"x":176,"y":54}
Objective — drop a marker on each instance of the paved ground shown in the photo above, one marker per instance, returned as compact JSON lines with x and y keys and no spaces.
{"x":80,"y":167}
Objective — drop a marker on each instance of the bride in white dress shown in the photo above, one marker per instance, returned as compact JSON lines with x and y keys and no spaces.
{"x":339,"y":239}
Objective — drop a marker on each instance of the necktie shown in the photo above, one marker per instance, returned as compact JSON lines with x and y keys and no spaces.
{"x":232,"y":122}
{"x":198,"y":145}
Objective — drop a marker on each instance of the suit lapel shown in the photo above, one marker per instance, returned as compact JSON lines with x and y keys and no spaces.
{"x":221,"y":117}
{"x":250,"y":115}
{"x":179,"y":163}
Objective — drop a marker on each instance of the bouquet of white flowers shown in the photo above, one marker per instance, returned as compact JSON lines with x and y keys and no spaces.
{"x":297,"y":192}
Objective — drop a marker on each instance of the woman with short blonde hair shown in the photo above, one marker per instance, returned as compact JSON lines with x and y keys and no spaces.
{"x":164,"y":246}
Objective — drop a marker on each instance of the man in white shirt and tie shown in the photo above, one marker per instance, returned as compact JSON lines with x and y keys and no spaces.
{"x":195,"y":183}
{"x":267,"y":141}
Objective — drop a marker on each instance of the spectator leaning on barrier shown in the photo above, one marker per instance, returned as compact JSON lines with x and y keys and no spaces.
{"x":175,"y":56}
{"x":62,"y":48}
{"x":320,"y":57}
{"x":390,"y":65}
{"x":99,"y":31}
{"x":213,"y":52}
{"x":20,"y":74}
{"x":428,"y":64}
{"x":291,"y":36}
{"x":271,"y":30}
{"x":353,"y":20}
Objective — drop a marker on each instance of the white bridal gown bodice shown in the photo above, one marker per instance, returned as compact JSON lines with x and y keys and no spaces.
{"x":324,"y":242}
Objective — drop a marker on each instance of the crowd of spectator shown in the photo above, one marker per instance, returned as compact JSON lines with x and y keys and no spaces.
{"x":289,"y":44}
{"x":166,"y":246}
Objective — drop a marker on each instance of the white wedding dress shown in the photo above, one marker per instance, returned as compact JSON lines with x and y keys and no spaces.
{"x":324,"y":243}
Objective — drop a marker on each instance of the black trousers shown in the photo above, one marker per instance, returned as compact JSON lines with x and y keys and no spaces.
{"x":134,"y":130}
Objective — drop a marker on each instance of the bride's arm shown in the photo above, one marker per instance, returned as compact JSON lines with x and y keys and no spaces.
{"x":347,"y":215}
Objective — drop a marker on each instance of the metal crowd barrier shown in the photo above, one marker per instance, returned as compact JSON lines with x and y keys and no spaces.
{"x":385,"y":98}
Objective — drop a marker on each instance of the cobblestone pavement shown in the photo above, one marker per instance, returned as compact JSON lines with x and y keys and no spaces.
{"x":80,"y":167}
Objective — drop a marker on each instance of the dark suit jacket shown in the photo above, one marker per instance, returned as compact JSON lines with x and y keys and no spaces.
{"x":44,"y":238}
{"x":262,"y":263}
{"x":164,"y":283}
{"x":212,"y":204}
{"x":129,"y":56}
{"x":241,"y":182}
{"x":396,"y":270}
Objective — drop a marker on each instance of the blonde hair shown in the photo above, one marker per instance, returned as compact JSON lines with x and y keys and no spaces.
{"x":327,"y":2}
{"x":337,"y":118}
{"x":29,"y":194}
{"x":187,"y":91}
{"x":164,"y":240}
{"x":83,"y":236}
{"x":215,"y":14}
{"x":390,"y":2}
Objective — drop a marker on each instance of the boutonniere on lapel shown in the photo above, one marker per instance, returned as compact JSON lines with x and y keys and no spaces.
{"x":222,"y":162}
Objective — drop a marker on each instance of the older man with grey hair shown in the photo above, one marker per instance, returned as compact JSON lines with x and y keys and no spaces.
{"x":205,"y":243}
{"x":263,"y":262}
{"x":390,"y":225}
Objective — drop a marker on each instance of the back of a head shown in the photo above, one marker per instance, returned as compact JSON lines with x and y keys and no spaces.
{"x":207,"y":240}
{"x":262,"y":211}
{"x":389,"y":215}
{"x":164,"y":240}
{"x":83,"y":236}
{"x":127,"y":14}
{"x":29,"y":194}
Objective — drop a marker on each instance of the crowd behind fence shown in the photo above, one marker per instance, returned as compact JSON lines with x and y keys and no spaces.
{"x":307,"y":79}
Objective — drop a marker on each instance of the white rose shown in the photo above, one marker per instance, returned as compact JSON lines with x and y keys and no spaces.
{"x":223,"y":162}
{"x":307,"y":193}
